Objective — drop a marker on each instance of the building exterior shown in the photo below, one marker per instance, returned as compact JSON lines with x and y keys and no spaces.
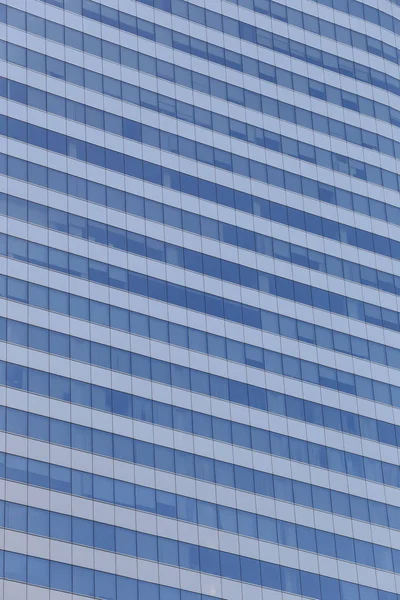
{"x":199,"y":315}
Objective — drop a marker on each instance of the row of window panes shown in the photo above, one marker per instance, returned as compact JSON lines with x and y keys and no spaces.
{"x":117,"y":199}
{"x":121,"y":540}
{"x":261,"y":207}
{"x":223,"y":159}
{"x":214,"y":20}
{"x":352,"y":7}
{"x":63,"y":479}
{"x":83,"y":581}
{"x":135,"y":167}
{"x":201,"y":424}
{"x":195,"y":339}
{"x":273,"y":486}
{"x":105,"y":274}
{"x":122,"y":448}
{"x":205,"y":50}
{"x":181,"y":507}
{"x":197,"y":262}
{"x":180,"y":335}
{"x":190,"y":556}
{"x":197,"y":151}
{"x":113,"y":87}
{"x":166,"y":373}
{"x":95,"y":117}
{"x":119,"y":318}
{"x":79,"y":580}
{"x":362,"y":11}
{"x":153,"y":328}
{"x":202,"y":83}
{"x":104,"y":234}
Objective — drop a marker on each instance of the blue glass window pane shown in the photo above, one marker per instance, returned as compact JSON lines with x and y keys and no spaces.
{"x":38,"y":571}
{"x":105,"y":586}
{"x":83,"y":581}
{"x":60,"y":576}
{"x":15,"y":566}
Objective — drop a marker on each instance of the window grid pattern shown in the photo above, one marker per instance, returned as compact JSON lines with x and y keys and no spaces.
{"x":199,"y":316}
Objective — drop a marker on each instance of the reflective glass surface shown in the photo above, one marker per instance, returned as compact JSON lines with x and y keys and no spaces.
{"x":199,"y":315}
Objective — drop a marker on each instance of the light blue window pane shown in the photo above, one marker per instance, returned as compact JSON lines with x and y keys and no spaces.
{"x":60,"y":576}
{"x":148,"y":590}
{"x":15,"y":566}
{"x":16,"y":516}
{"x":167,"y":593}
{"x":60,"y":526}
{"x":38,"y":521}
{"x":127,"y":588}
{"x":83,"y":532}
{"x":103,"y":488}
{"x":38,"y":571}
{"x":187,"y":509}
{"x":105,"y":586}
{"x":147,"y":546}
{"x":83,"y":581}
{"x":168,"y":551}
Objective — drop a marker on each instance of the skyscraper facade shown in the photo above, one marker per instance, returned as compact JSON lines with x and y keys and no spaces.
{"x":199,"y":315}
